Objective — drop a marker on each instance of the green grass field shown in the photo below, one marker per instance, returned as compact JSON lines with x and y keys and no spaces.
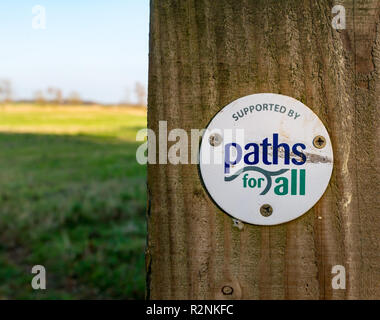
{"x":72,"y":198}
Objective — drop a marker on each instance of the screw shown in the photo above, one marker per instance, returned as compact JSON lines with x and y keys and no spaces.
{"x":319,"y":142}
{"x":227,"y":290}
{"x":215,"y":139}
{"x":266,"y":210}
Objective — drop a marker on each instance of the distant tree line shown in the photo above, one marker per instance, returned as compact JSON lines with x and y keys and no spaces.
{"x":54,"y":95}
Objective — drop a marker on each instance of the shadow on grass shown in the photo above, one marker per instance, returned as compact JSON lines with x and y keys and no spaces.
{"x":76,"y":205}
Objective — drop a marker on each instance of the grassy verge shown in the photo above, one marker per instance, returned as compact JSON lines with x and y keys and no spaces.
{"x":72,"y":198}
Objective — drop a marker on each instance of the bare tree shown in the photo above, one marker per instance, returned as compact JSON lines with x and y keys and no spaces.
{"x":6,"y":90}
{"x":74,"y":98}
{"x":56,"y":95}
{"x":140,"y":93}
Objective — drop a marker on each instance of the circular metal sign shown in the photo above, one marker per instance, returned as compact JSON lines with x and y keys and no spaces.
{"x":266,"y":159}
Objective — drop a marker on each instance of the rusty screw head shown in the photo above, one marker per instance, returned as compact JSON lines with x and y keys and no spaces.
{"x":319,"y":142}
{"x":227,"y":290}
{"x":215,"y":139}
{"x":266,"y":210}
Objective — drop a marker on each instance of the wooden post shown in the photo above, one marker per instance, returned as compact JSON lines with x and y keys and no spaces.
{"x":205,"y":54}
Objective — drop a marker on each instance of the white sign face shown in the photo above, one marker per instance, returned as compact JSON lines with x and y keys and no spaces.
{"x":266,"y":159}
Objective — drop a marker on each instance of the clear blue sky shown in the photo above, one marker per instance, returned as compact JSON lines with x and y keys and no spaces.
{"x":95,"y":47}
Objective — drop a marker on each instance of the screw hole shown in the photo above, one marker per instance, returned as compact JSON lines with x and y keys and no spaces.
{"x":215,"y":139}
{"x":227,"y":290}
{"x":266,"y":210}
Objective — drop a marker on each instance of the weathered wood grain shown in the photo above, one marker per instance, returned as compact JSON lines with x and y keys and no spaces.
{"x":205,"y":54}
